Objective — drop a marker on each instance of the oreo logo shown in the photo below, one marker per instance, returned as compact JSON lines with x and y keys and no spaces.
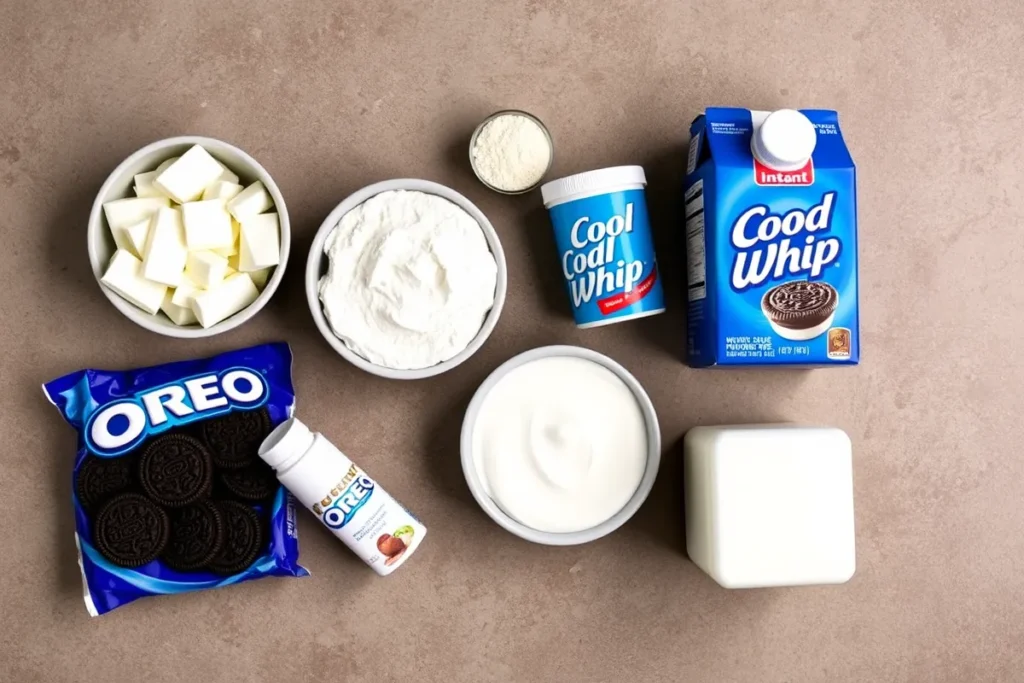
{"x":121,"y":425}
{"x":348,"y":503}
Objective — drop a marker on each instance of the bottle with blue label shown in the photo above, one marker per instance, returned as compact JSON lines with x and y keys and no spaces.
{"x":771,"y":240}
{"x":605,"y":246}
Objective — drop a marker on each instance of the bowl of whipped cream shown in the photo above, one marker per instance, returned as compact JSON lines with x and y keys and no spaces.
{"x":406,"y":279}
{"x":560,"y":445}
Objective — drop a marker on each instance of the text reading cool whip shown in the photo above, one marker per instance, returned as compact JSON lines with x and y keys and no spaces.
{"x":760,"y":254}
{"x":591,"y":267}
{"x":604,"y":244}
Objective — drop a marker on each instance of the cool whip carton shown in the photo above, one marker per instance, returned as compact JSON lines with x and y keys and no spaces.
{"x":771,"y":240}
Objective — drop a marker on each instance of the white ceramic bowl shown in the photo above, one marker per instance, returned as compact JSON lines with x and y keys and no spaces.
{"x":317,"y":265}
{"x":119,"y":185}
{"x":476,"y":485}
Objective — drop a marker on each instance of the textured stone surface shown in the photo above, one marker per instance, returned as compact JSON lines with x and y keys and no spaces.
{"x":331,"y":95}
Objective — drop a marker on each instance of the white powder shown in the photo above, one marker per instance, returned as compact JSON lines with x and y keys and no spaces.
{"x":411,"y":279}
{"x":511,"y":153}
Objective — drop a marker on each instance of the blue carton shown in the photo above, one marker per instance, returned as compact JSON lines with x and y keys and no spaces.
{"x":771,"y":240}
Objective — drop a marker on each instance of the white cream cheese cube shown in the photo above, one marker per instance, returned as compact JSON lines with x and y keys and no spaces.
{"x":121,"y":213}
{"x":124,"y":276}
{"x":205,"y":268}
{"x":137,"y":235}
{"x":227,"y":175}
{"x":207,"y":225}
{"x":769,"y":505}
{"x":213,"y":305}
{"x":185,"y":292}
{"x":185,"y":179}
{"x":144,"y":186}
{"x":251,"y":201}
{"x":260,"y":277}
{"x":223,"y":190}
{"x":228,"y":252}
{"x":166,"y":251}
{"x":179,"y":315}
{"x":260,"y":243}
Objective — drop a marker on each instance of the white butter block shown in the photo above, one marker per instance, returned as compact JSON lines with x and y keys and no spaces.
{"x":137,"y":235}
{"x":166,"y":251}
{"x":260,"y":277}
{"x":185,"y":179}
{"x":228,"y":252}
{"x":251,"y":201}
{"x":207,"y":225}
{"x":227,"y":175}
{"x":205,"y":268}
{"x":179,"y":315}
{"x":121,"y":213}
{"x":234,"y":294}
{"x":260,"y":243}
{"x":144,"y":186}
{"x":223,"y":190}
{"x":124,"y":276}
{"x":165,"y":165}
{"x":185,"y":292}
{"x":770,"y":505}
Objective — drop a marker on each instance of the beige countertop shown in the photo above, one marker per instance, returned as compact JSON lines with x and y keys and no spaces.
{"x":332,"y":95}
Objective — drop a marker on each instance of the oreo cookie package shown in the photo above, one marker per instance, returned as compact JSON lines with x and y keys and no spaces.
{"x":170,"y":495}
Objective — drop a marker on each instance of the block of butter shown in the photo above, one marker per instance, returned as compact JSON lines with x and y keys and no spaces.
{"x":769,"y":505}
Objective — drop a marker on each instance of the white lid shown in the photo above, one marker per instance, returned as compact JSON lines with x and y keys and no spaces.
{"x":591,"y":183}
{"x":785,"y":140}
{"x":289,"y":440}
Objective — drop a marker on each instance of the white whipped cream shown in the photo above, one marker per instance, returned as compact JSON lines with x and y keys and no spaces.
{"x":560,"y":444}
{"x":411,"y":279}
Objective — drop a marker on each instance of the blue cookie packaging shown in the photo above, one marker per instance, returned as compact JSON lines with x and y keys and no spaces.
{"x":117,"y":413}
{"x":771,"y":240}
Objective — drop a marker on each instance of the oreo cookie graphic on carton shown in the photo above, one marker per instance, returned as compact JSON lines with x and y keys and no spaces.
{"x":170,"y":495}
{"x":771,"y":240}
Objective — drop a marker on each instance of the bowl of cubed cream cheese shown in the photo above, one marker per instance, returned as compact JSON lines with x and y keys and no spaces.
{"x":189,"y":237}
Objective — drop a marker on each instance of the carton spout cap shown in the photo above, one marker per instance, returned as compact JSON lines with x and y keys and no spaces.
{"x":784,"y":141}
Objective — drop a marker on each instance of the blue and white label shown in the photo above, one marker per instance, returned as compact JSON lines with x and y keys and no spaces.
{"x":120,"y":426}
{"x":607,"y":257}
{"x":344,"y":508}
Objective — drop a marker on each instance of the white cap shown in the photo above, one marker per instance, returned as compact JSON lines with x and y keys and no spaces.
{"x":290,"y":440}
{"x":592,"y":183}
{"x":785,"y":140}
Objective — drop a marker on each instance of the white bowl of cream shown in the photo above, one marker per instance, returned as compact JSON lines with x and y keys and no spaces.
{"x":560,"y":445}
{"x":406,"y":279}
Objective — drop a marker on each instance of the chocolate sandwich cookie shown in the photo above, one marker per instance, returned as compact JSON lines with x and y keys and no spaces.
{"x":131,"y":530}
{"x":800,"y":310}
{"x":100,"y":478}
{"x":197,"y":535}
{"x":254,"y":483}
{"x":175,"y":470}
{"x":243,"y":539}
{"x":234,"y":439}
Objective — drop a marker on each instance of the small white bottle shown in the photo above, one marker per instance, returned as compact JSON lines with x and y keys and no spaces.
{"x":346,"y":500}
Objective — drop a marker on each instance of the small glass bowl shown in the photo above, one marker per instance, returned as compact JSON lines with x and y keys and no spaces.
{"x":515,"y":112}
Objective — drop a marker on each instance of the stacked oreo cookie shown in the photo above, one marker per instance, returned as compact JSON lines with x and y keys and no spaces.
{"x":196,"y":500}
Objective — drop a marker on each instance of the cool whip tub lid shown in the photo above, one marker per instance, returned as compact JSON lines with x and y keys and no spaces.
{"x":581,"y":185}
